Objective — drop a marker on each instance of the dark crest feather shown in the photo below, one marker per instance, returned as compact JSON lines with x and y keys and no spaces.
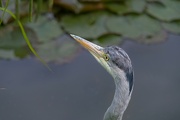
{"x":120,"y":58}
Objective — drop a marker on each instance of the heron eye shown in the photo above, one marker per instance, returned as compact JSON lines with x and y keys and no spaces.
{"x":106,"y":57}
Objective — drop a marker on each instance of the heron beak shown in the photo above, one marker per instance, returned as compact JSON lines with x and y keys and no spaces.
{"x":94,"y":49}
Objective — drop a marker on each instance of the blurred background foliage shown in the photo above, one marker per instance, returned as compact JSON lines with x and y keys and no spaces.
{"x":47,"y":24}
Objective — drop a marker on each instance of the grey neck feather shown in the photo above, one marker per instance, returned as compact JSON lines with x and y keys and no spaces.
{"x":121,"y":98}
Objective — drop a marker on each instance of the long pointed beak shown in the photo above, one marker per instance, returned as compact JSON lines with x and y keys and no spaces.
{"x":91,"y":47}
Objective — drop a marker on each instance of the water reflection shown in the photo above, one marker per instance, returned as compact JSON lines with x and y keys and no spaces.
{"x":82,"y":89}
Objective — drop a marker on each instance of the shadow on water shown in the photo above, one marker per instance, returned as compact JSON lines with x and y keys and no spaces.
{"x":82,"y":89}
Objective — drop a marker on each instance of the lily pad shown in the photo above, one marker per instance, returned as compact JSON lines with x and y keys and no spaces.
{"x":12,"y":43}
{"x":72,"y":5}
{"x":21,"y":52}
{"x":168,"y":12}
{"x":157,"y":38}
{"x":45,"y":28}
{"x":134,"y":26}
{"x":11,"y":38}
{"x":173,"y":27}
{"x":7,"y":54}
{"x":129,"y":6}
{"x":58,"y":51}
{"x":109,"y":39}
{"x":87,"y":25}
{"x":137,"y":6}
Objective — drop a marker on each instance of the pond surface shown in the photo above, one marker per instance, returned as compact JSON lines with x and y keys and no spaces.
{"x":83,"y":90}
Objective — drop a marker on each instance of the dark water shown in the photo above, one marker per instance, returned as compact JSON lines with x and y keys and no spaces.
{"x":82,"y":89}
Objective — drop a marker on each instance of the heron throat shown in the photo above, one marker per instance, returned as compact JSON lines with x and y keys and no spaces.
{"x":121,"y":98}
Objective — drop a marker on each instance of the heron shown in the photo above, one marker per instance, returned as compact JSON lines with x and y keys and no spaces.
{"x":118,"y":64}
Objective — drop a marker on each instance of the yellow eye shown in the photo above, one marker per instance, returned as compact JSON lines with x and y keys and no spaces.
{"x":106,"y":57}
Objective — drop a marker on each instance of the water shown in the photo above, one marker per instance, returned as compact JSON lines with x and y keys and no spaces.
{"x":82,"y":89}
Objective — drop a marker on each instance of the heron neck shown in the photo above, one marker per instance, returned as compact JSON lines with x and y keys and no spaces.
{"x":121,"y":95}
{"x":120,"y":100}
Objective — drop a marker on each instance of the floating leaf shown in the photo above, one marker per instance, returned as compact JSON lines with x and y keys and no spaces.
{"x":109,"y":39}
{"x":128,"y":6}
{"x":25,"y":37}
{"x":157,"y":38}
{"x":117,"y":8}
{"x":168,"y":12}
{"x":21,"y":52}
{"x":87,"y":25}
{"x":45,"y":28}
{"x":7,"y":54}
{"x":134,"y":26}
{"x":173,"y":27}
{"x":59,"y":51}
{"x":11,"y":37}
{"x":72,"y":5}
{"x":137,"y":6}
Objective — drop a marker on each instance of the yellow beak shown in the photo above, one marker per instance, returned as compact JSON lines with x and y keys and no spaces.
{"x":94,"y":49}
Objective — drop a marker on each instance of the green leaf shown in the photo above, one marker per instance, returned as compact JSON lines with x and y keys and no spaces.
{"x":21,"y":52}
{"x":128,"y":6}
{"x":72,"y":5}
{"x":134,"y":26}
{"x":45,"y":29}
{"x":137,"y":6}
{"x":58,"y":51}
{"x":157,"y":38}
{"x":7,"y":54}
{"x":117,"y":8}
{"x":87,"y":25}
{"x":169,"y":11}
{"x":109,"y":39}
{"x":25,"y":37}
{"x":11,"y":38}
{"x":173,"y":27}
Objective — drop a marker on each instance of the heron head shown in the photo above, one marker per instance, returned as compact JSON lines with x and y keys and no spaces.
{"x":112,"y":58}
